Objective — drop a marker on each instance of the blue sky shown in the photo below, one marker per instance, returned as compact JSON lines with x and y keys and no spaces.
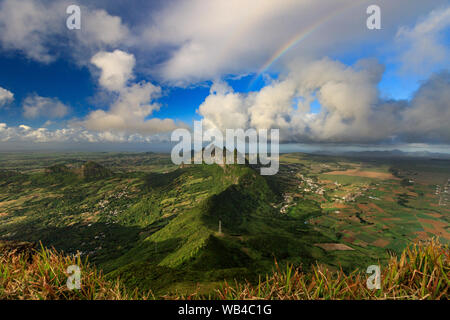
{"x":138,"y":70}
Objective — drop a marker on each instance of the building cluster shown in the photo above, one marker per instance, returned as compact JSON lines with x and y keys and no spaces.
{"x":287,"y":203}
{"x":309,"y":185}
{"x":442,"y":193}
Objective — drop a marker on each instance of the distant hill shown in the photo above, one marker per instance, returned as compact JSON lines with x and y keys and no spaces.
{"x":4,"y":174}
{"x":389,"y":154}
{"x":58,"y":169}
{"x":61,"y":173}
{"x":92,"y":170}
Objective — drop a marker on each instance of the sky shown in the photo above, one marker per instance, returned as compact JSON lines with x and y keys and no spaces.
{"x":137,"y":70}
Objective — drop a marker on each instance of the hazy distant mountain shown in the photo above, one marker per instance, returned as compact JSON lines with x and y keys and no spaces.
{"x":390,"y":154}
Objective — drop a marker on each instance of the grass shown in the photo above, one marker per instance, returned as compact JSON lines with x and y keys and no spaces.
{"x":41,"y":275}
{"x":422,"y":271}
{"x":346,"y":180}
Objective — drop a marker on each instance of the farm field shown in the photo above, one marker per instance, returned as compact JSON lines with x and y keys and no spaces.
{"x":382,"y":204}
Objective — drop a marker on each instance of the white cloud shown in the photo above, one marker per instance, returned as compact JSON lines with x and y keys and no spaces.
{"x":195,"y":41}
{"x":223,"y":108}
{"x":99,"y":27}
{"x":130,"y":111}
{"x":35,"y":106}
{"x":24,"y":25}
{"x":351,"y":108}
{"x":24,"y":133}
{"x":234,"y":37}
{"x":6,"y":97}
{"x":215,"y":39}
{"x":429,"y":114}
{"x":224,"y":36}
{"x":116,"y":68}
{"x":38,"y":29}
{"x":423,"y":48}
{"x":134,"y":104}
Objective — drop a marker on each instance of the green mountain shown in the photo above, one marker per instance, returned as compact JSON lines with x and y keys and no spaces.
{"x":183,"y":245}
{"x":166,"y":228}
{"x":89,"y":170}
{"x":92,"y":170}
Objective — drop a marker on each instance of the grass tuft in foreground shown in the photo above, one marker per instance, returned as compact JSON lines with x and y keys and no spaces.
{"x":41,"y":275}
{"x":421,"y":272}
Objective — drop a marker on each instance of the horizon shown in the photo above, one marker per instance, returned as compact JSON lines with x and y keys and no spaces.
{"x":284,"y":149}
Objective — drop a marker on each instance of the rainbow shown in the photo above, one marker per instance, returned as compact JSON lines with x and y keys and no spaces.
{"x":300,"y":37}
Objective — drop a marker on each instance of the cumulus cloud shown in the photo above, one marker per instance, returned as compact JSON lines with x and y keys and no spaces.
{"x":6,"y":97}
{"x":200,"y":40}
{"x":37,"y":28}
{"x":24,"y":133}
{"x":101,"y":28}
{"x":223,"y":108}
{"x":134,"y":103}
{"x":351,"y":108}
{"x":24,"y":26}
{"x":428,"y":116}
{"x":196,"y":41}
{"x":423,"y":44}
{"x":233,"y":37}
{"x":130,"y":111}
{"x":226,"y":36}
{"x":35,"y":106}
{"x":116,"y":68}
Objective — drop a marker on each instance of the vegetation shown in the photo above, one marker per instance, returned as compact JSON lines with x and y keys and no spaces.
{"x":421,"y":272}
{"x":155,"y":226}
{"x":42,"y":275}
